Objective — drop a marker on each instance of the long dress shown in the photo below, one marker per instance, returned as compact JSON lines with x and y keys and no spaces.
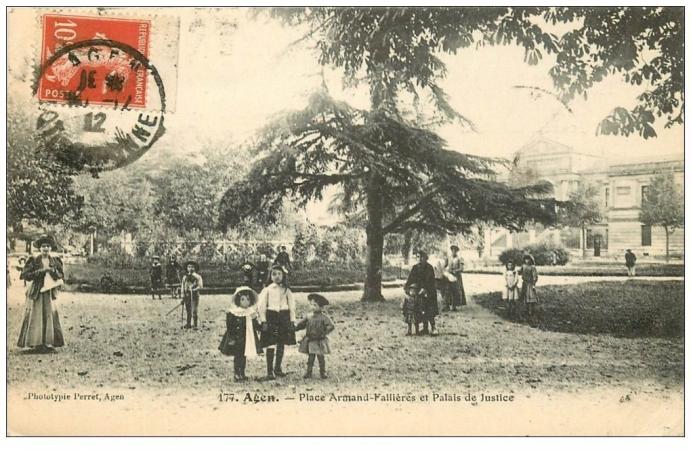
{"x":529,"y":276}
{"x":457,"y":292}
{"x":41,"y":324}
{"x":422,"y":274}
{"x":510,"y":292}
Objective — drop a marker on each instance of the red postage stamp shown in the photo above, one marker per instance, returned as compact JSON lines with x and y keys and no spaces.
{"x":98,"y":74}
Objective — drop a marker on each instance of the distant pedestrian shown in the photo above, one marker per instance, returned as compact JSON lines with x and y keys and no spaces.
{"x":510,"y":293}
{"x":283,"y":259}
{"x":191,"y":284}
{"x":455,"y":267}
{"x":41,"y":330}
{"x":262,"y":267}
{"x":241,"y":339}
{"x":248,"y":270}
{"x":173,"y":273}
{"x":156,"y":276}
{"x":422,"y":274}
{"x":528,"y":292}
{"x":412,"y":309}
{"x":630,"y":258}
{"x":317,"y":326}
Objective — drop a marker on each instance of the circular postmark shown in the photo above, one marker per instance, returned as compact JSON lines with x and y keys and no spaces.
{"x":93,"y":124}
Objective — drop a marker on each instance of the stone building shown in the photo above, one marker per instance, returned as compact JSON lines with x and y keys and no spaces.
{"x":623,"y":184}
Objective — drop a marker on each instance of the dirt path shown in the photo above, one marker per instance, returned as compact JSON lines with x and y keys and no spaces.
{"x":169,"y":378}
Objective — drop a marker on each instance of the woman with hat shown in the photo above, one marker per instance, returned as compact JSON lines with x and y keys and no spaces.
{"x":455,"y":268}
{"x":41,"y":329}
{"x":529,"y":276}
{"x":276,"y":308}
{"x":317,"y":326}
{"x":191,"y":284}
{"x":422,"y":274}
{"x":241,"y":340}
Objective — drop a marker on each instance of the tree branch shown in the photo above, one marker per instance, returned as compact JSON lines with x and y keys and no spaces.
{"x":405,"y":215}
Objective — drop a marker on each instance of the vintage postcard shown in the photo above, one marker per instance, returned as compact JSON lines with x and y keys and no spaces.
{"x":322,"y":221}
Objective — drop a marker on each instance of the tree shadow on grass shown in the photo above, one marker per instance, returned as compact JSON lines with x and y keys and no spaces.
{"x":632,"y":309}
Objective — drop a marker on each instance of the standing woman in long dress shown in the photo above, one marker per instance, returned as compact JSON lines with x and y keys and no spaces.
{"x":41,"y":329}
{"x":455,"y":267}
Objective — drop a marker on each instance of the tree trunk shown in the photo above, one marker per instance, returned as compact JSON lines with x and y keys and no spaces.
{"x":584,"y":244}
{"x":407,"y":246}
{"x":666,"y":244}
{"x":375,"y":241}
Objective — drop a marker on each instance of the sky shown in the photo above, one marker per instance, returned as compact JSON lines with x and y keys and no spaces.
{"x":236,"y":70}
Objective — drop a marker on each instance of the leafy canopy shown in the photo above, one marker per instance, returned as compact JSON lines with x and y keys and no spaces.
{"x":425,"y":186}
{"x":664,"y":204}
{"x":40,"y":189}
{"x":583,"y":207}
{"x":396,"y":50}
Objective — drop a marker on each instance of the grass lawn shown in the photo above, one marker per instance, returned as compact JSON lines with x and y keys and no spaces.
{"x":634,"y":308}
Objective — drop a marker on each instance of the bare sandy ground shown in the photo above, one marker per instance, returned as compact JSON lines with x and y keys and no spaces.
{"x":127,"y":369}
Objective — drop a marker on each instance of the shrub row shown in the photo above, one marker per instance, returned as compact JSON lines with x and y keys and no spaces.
{"x":545,"y":254}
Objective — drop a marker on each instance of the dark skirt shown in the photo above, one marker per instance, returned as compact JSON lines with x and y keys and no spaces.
{"x":430,"y":308}
{"x":528,"y":293}
{"x":235,"y":345}
{"x":412,"y":310}
{"x":280,"y":329}
{"x":457,"y":292}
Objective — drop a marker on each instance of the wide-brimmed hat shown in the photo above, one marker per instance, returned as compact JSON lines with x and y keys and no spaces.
{"x":318,"y":299}
{"x":192,"y":263}
{"x":244,"y":290}
{"x":156,"y":258}
{"x":45,"y":239}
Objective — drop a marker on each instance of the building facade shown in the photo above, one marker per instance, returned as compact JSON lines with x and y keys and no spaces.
{"x":622,"y":187}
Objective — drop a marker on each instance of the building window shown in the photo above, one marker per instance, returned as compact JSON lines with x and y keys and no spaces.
{"x":646,"y":236}
{"x":606,"y":197}
{"x":623,"y":191}
{"x":644,"y":193}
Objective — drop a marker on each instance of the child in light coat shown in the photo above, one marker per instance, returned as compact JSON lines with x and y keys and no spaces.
{"x":317,"y":326}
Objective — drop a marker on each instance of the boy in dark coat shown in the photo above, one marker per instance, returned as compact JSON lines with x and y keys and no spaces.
{"x":422,"y":274}
{"x":241,"y":339}
{"x":156,"y":274}
{"x":283,"y":259}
